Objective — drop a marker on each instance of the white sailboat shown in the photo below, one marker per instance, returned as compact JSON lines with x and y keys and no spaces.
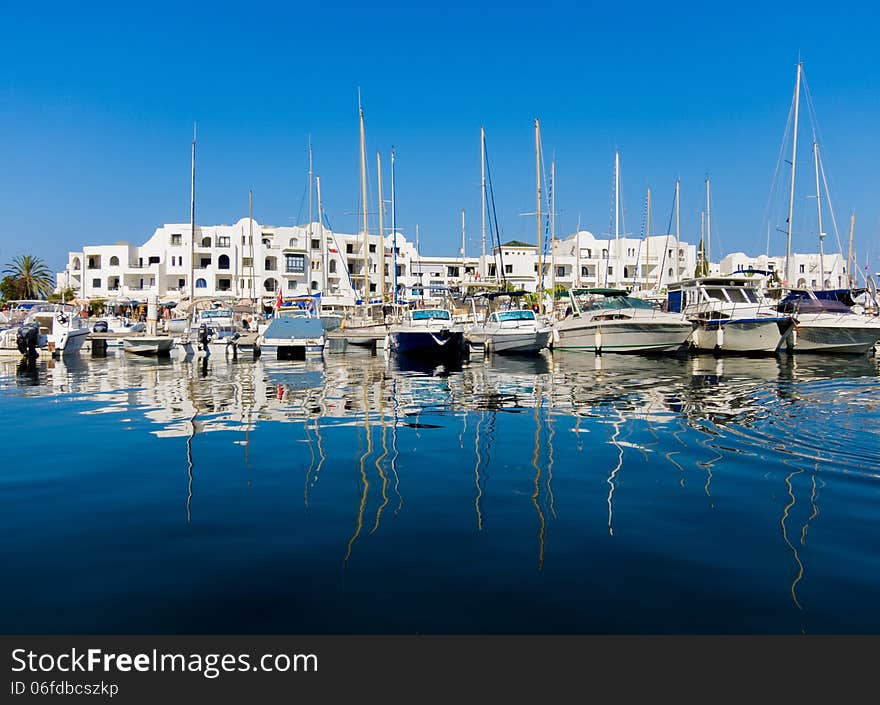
{"x":823,"y":324}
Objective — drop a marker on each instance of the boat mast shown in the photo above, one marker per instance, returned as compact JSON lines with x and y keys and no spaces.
{"x":708,"y":254}
{"x":849,"y":254}
{"x":366,"y":293}
{"x":540,"y":272}
{"x":325,"y":280}
{"x":192,"y":222}
{"x":483,"y":267}
{"x":251,"y":243}
{"x":797,"y":98}
{"x":380,"y":250}
{"x":553,"y":230}
{"x":311,"y":218}
{"x":677,"y":230}
{"x":819,"y":216}
{"x":462,"y":251}
{"x":393,"y":227}
{"x":647,"y":240}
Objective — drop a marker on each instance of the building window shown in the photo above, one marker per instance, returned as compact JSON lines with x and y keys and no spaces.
{"x":508,"y":269}
{"x":491,"y":270}
{"x":181,"y":283}
{"x":224,"y":284}
{"x":372,"y":249}
{"x":96,"y":283}
{"x":316,"y":244}
{"x":294,"y":264}
{"x":293,"y":242}
{"x":670,"y":271}
{"x":584,"y":272}
{"x":92,"y":264}
{"x":206,"y":242}
{"x":349,"y":248}
{"x":267,"y":243}
{"x":270,"y":284}
{"x":205,"y":262}
{"x":332,"y":266}
{"x":114,"y":261}
{"x":269,"y":264}
{"x":200,"y":284}
{"x":452,"y":271}
{"x":223,"y":241}
{"x":223,"y":262}
{"x":176,"y":239}
{"x":153,"y":260}
{"x":247,"y":262}
{"x":802,"y":269}
{"x":610,"y":271}
{"x":314,"y":286}
{"x":589,"y":253}
{"x":560,"y":271}
{"x":604,"y":254}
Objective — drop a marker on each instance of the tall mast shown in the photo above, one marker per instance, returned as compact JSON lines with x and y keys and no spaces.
{"x":192,"y":222}
{"x":540,"y":272}
{"x":393,"y":227}
{"x":616,"y":217}
{"x":553,"y":229}
{"x":380,"y":250}
{"x":647,"y":239}
{"x":708,"y":256}
{"x":849,"y":254}
{"x":677,"y":230}
{"x":462,"y":250}
{"x":483,"y":199}
{"x":325,"y":279}
{"x":797,"y":98}
{"x":251,"y":242}
{"x":310,"y":189}
{"x":819,"y":217}
{"x":421,"y":274}
{"x":364,"y":207}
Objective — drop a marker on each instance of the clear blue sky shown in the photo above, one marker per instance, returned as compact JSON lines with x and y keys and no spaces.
{"x":97,"y":106}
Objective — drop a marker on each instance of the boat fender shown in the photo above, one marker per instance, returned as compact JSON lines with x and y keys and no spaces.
{"x":793,"y":341}
{"x":598,"y":341}
{"x":720,"y":338}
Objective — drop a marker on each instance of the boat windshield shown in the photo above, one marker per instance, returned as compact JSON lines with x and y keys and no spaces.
{"x":742,"y":295}
{"x":524,"y":315}
{"x":215,"y":313}
{"x":618,"y":302}
{"x":428,"y":314}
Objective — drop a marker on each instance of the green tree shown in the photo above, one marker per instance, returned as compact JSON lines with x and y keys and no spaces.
{"x":66,"y":295}
{"x":32,"y":276}
{"x":10,"y":289}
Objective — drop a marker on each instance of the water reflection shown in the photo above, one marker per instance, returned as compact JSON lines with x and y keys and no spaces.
{"x":529,"y":447}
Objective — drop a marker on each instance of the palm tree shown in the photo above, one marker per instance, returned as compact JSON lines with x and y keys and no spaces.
{"x":31,"y":274}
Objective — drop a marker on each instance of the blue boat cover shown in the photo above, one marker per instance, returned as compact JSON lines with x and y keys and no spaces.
{"x":287,"y":328}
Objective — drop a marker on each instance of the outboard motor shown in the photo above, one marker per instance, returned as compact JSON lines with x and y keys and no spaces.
{"x":203,"y":336}
{"x":28,"y":339}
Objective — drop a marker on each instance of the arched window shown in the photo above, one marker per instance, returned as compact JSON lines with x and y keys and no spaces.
{"x":201,"y":284}
{"x":332,"y":266}
{"x":114,"y":261}
{"x":294,"y":242}
{"x":266,"y":243}
{"x":76,"y":264}
{"x":270,"y":284}
{"x":206,"y":242}
{"x":223,"y":262}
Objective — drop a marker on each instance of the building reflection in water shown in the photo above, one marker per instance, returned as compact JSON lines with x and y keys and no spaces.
{"x":696,"y":412}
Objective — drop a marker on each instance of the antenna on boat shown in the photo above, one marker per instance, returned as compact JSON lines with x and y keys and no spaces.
{"x":380,"y":250}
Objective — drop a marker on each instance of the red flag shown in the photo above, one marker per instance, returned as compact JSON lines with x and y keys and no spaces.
{"x":278,"y":300}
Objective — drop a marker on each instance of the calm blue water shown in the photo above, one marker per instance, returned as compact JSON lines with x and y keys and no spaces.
{"x":564,"y":494}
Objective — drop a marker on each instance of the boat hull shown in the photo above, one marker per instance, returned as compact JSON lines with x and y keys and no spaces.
{"x":746,"y":336}
{"x":71,"y":342}
{"x":148,"y":345}
{"x":516,"y":342}
{"x":427,"y":344}
{"x":624,"y":337}
{"x":830,"y":334}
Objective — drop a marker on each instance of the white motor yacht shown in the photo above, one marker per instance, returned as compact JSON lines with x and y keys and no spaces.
{"x":609,"y":320}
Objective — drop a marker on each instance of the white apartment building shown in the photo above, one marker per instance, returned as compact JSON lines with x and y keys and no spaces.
{"x":249,"y":260}
{"x":804,"y":268}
